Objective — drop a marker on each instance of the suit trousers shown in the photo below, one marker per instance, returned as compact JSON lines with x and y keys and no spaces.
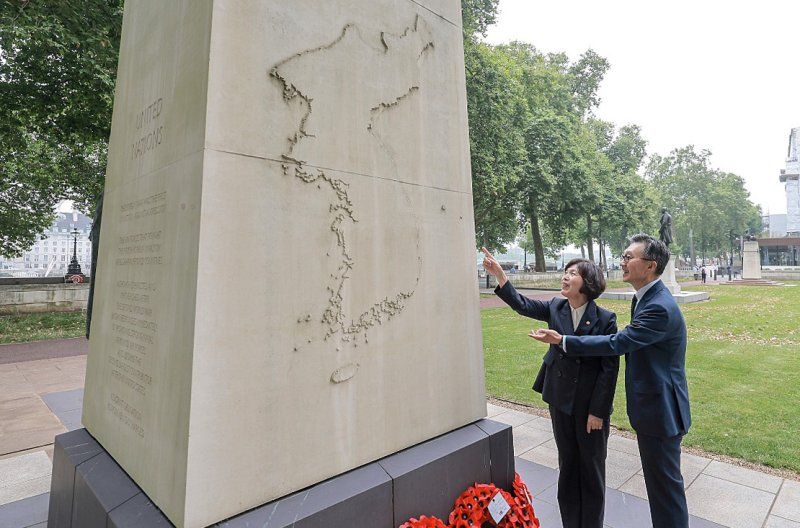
{"x":661,"y":465}
{"x":582,"y":469}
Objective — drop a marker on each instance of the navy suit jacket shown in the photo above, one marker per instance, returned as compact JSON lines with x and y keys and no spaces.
{"x":654,"y":345}
{"x":575,"y":386}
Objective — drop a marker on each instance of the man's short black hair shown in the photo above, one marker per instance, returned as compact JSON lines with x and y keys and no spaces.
{"x":593,"y":281}
{"x":654,"y":250}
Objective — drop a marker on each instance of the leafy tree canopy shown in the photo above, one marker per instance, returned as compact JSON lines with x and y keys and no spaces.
{"x":477,"y":16}
{"x":705,"y":203}
{"x":57,"y":69}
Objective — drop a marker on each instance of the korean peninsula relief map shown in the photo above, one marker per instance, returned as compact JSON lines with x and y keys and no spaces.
{"x":341,"y":92}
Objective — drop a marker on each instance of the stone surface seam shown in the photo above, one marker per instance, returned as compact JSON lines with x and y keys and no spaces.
{"x":435,"y":13}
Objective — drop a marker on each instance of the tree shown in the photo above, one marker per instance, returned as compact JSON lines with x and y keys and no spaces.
{"x":477,"y":16}
{"x":626,"y":200}
{"x":57,"y":69}
{"x":558,"y":187}
{"x":703,"y":200}
{"x":497,"y":147}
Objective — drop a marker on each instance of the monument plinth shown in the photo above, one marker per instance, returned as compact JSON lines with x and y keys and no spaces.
{"x":668,"y":277}
{"x":285,"y":285}
{"x":751,"y":261}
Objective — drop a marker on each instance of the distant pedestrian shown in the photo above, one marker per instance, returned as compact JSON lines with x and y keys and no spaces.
{"x":703,"y":274}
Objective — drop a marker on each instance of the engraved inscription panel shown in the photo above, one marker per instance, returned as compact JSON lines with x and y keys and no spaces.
{"x":134,"y":324}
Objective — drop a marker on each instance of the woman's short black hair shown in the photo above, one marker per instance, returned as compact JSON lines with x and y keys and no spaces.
{"x":594,"y":283}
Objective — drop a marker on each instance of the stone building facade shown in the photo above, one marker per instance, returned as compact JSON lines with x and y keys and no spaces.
{"x":51,"y":255}
{"x":790,"y":176}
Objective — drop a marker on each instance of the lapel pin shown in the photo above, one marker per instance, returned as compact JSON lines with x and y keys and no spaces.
{"x":587,"y":322}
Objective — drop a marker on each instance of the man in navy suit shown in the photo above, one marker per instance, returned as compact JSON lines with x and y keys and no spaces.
{"x":654,"y":344}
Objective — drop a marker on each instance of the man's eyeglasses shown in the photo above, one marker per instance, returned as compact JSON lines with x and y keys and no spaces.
{"x":628,"y":258}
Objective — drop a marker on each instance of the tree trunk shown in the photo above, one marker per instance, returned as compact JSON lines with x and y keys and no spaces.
{"x":600,"y":244}
{"x":602,"y":254}
{"x":536,"y":235}
{"x":589,"y":244}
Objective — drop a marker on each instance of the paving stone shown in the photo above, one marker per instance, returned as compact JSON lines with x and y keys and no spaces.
{"x":23,"y":490}
{"x":787,"y":504}
{"x":64,"y":401}
{"x":513,"y":418}
{"x":548,"y":514}
{"x":27,"y":426}
{"x":71,"y":419}
{"x":28,"y":512}
{"x":538,"y":478}
{"x":21,"y":468}
{"x":526,"y":438}
{"x":744,"y":476}
{"x":691,"y":467}
{"x":542,"y":424}
{"x":549,"y":494}
{"x":620,"y":467}
{"x":493,"y":410}
{"x":626,"y":445}
{"x":542,"y":455}
{"x":774,"y":521}
{"x":697,"y":522}
{"x":728,"y":503}
{"x":67,"y":406}
{"x":626,"y":511}
{"x":635,"y":486}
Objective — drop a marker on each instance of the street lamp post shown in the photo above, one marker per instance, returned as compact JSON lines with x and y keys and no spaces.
{"x":74,"y":268}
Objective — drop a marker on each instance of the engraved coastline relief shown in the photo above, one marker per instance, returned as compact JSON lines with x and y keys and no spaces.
{"x":134,"y":326}
{"x":305,"y":80}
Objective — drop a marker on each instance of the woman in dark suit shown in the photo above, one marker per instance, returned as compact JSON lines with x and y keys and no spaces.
{"x":580,"y":391}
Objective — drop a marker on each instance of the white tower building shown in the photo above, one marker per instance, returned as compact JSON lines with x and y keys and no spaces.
{"x":790,"y":176}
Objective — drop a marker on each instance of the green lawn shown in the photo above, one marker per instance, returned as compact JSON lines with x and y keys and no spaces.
{"x":743,"y":365}
{"x":36,"y":327}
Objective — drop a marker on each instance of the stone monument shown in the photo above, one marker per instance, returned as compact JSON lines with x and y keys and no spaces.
{"x":285,"y":288}
{"x":751,"y":263}
{"x":665,"y":235}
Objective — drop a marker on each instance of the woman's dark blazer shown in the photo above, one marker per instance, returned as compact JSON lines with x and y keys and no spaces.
{"x":573,"y":385}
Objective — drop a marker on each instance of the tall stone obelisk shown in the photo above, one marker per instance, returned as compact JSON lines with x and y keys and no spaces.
{"x":285,"y":285}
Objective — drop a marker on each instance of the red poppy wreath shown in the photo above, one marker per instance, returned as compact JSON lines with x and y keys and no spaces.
{"x":482,"y":504}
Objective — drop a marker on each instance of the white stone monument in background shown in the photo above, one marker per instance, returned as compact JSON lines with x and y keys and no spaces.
{"x":751,"y":262}
{"x":790,"y":176}
{"x":668,"y":277}
{"x":285,"y":286}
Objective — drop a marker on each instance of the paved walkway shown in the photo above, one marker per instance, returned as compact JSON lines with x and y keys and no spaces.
{"x":42,"y":391}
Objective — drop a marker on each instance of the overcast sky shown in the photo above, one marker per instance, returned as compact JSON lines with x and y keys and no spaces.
{"x":719,"y":75}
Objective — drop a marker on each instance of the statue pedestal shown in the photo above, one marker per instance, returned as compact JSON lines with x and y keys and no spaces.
{"x":751,"y":265}
{"x":668,"y":277}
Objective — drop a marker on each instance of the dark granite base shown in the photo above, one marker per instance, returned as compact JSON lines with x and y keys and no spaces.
{"x":90,"y":490}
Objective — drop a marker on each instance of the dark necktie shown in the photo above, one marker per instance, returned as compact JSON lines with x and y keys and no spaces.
{"x":633,"y":306}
